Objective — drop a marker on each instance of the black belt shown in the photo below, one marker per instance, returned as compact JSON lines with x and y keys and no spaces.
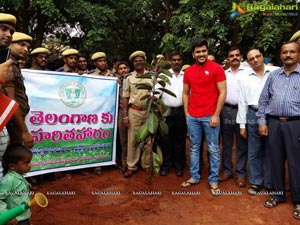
{"x":253,"y":108}
{"x":284,"y":119}
{"x":231,"y":106}
{"x":177,"y":108}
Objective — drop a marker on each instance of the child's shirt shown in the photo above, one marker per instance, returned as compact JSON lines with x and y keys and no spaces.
{"x":14,"y":190}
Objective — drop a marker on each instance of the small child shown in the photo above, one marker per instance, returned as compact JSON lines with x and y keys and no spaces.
{"x":14,"y":189}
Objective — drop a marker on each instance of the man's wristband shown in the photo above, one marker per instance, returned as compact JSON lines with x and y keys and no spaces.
{"x":126,"y":117}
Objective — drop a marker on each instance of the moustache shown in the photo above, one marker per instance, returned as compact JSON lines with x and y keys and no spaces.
{"x":287,"y":58}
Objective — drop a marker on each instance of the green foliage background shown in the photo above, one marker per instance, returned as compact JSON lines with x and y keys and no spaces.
{"x":155,"y":26}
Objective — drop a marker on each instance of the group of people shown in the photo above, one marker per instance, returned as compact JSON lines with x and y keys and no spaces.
{"x":259,"y":105}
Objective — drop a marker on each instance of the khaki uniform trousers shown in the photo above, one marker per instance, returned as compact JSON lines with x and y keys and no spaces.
{"x":136,"y":119}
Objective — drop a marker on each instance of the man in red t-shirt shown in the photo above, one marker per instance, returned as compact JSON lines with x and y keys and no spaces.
{"x":204,"y":93}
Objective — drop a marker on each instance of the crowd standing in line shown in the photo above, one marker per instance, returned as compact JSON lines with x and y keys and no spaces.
{"x":259,"y":105}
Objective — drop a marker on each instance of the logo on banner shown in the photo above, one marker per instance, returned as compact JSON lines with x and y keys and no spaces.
{"x":72,"y":94}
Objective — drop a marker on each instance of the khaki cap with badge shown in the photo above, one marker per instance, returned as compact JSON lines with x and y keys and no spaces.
{"x":40,"y":50}
{"x":18,"y":36}
{"x":136,"y":54}
{"x":98,"y":55}
{"x":70,"y":51}
{"x":296,"y":37}
{"x":8,"y":18}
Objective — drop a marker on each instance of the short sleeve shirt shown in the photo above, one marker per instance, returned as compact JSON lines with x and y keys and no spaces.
{"x":131,"y":92}
{"x":203,"y":88}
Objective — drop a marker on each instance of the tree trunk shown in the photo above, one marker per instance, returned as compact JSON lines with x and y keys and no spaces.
{"x":235,"y":34}
{"x":167,"y":20}
{"x":40,"y":30}
{"x":24,"y":17}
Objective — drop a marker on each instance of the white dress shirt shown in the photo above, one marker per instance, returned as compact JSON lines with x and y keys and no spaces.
{"x":250,"y":89}
{"x":233,"y":84}
{"x":176,"y":87}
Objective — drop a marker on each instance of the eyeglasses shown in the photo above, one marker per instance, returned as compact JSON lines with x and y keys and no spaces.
{"x":255,"y":57}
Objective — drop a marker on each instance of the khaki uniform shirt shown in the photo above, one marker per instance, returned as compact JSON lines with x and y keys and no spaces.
{"x":20,"y":92}
{"x":68,"y":69}
{"x":134,"y":94}
{"x":107,"y":74}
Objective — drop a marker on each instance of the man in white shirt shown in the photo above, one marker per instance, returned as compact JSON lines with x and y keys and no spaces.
{"x":250,"y":89}
{"x":229,"y":127}
{"x":174,"y":145}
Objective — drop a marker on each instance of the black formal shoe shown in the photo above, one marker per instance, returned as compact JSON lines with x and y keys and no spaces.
{"x":179,"y":173}
{"x":164,"y":172}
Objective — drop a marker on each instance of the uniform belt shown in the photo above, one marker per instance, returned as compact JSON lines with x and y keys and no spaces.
{"x":231,"y":106}
{"x":284,"y":119}
{"x":254,"y":107}
{"x":177,"y":108}
{"x":135,"y":107}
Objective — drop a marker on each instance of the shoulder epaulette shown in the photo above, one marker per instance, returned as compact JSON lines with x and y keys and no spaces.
{"x":60,"y":69}
{"x":127,"y":75}
{"x":91,"y":71}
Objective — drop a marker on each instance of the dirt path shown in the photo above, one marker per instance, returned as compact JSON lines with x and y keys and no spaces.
{"x":110,"y":199}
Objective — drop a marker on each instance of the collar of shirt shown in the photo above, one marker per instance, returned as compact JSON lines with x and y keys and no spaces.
{"x":173,"y":73}
{"x":296,"y":70}
{"x":267,"y":69}
{"x":241,"y":68}
{"x":106,"y":74}
{"x":17,"y":176}
{"x":68,"y":69}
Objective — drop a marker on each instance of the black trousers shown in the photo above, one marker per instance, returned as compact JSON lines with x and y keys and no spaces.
{"x":173,"y":146}
{"x":24,"y":222}
{"x":284,"y":145}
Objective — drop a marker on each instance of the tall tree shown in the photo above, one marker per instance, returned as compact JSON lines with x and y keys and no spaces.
{"x":211,"y":20}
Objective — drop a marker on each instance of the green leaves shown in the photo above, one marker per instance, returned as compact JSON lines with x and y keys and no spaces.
{"x":145,"y":97}
{"x":164,"y":78}
{"x":142,"y":133}
{"x":164,"y":127}
{"x":167,"y":91}
{"x":146,"y":76}
{"x":167,"y":72}
{"x":156,"y":163}
{"x":152,"y":123}
{"x":145,"y":86}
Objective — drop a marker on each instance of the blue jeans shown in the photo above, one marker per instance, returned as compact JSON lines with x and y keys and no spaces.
{"x":259,"y":165}
{"x":195,"y":127}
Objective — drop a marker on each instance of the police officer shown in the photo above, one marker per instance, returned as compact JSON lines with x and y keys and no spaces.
{"x":100,"y":62}
{"x":70,"y":60}
{"x":122,"y":70}
{"x":134,"y":114}
{"x":7,"y":24}
{"x":15,"y":89}
{"x":39,"y":58}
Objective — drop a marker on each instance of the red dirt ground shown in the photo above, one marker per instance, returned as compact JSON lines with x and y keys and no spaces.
{"x":110,"y":199}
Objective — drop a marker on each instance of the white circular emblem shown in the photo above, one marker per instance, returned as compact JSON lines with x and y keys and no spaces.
{"x":72,"y":94}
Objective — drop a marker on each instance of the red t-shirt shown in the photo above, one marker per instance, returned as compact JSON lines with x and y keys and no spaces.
{"x":203,"y":87}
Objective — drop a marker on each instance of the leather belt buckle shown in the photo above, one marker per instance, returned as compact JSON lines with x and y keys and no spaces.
{"x":283,"y":119}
